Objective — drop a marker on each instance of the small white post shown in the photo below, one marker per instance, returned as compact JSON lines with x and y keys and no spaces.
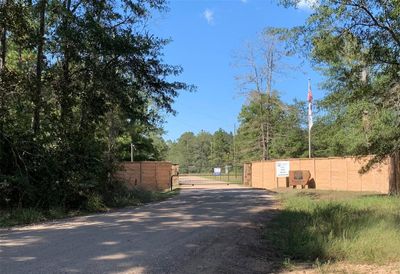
{"x":132,"y":152}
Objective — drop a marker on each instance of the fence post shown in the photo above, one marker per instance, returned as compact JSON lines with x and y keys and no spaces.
{"x":155,"y":175}
{"x":315,"y":175}
{"x":330,"y":173}
{"x":347,"y":174}
{"x":141,"y":173}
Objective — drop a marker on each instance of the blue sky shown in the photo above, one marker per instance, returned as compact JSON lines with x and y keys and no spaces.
{"x":205,"y":37}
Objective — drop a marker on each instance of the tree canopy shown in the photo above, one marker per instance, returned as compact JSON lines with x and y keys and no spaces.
{"x":356,"y":44}
{"x":78,"y":81}
{"x":203,"y":151}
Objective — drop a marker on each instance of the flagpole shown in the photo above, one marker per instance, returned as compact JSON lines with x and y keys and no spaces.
{"x":309,"y":142}
{"x":309,"y":99}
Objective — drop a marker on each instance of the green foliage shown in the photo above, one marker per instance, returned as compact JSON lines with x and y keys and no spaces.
{"x":79,"y":82}
{"x":21,"y":216}
{"x":117,"y":196}
{"x":363,"y":229}
{"x":182,"y":151}
{"x":202,"y":152}
{"x":221,"y":148}
{"x":356,"y":45}
{"x":287,"y":137}
{"x":286,"y":134}
{"x":95,"y":203}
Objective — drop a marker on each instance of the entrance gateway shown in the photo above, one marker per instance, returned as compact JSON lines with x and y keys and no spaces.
{"x":192,"y":175}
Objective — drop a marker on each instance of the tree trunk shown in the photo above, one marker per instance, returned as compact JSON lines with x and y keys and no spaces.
{"x":37,"y":99}
{"x":3,"y":40}
{"x":394,"y":173}
{"x":3,"y":47}
{"x":264,"y":149}
{"x":3,"y":57}
{"x":65,"y":105}
{"x":264,"y":140}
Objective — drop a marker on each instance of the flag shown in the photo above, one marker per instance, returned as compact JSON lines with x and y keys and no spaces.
{"x":309,"y":99}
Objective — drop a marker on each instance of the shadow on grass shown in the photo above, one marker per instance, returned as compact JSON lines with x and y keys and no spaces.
{"x":361,"y":230}
{"x":199,"y":231}
{"x":25,"y":216}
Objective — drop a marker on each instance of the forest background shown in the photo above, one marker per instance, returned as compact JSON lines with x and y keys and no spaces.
{"x":70,"y":108}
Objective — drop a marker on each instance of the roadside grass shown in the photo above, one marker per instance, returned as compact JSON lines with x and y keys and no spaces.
{"x":331,"y":226}
{"x":25,"y":216}
{"x":229,"y":179}
{"x":223,"y":177}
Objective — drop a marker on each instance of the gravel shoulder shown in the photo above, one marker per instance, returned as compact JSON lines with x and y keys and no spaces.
{"x":203,"y":230}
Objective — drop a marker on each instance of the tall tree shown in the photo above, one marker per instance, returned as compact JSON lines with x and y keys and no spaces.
{"x":262,"y":61}
{"x":3,"y":34}
{"x":202,"y":149}
{"x":74,"y":72}
{"x":222,"y":149}
{"x":357,"y":43}
{"x":287,"y":137}
{"x":202,"y":152}
{"x":37,"y":94}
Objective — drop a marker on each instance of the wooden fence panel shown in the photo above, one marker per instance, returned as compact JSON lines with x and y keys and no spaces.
{"x":355,"y":180}
{"x":149,"y":175}
{"x":295,"y":164}
{"x":146,"y":175}
{"x":323,"y":174}
{"x":256,"y":175}
{"x":164,"y":173}
{"x":384,"y":177}
{"x":328,"y":173}
{"x":269,"y":179}
{"x":338,"y":174}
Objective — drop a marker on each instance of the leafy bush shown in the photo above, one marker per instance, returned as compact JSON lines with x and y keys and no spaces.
{"x":95,"y":203}
{"x":21,"y":216}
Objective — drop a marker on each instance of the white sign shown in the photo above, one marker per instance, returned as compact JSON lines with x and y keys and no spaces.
{"x":217,"y":171}
{"x":282,"y":168}
{"x":227,"y":169}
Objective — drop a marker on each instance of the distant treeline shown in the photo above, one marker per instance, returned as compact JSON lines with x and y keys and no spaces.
{"x":268,"y":129}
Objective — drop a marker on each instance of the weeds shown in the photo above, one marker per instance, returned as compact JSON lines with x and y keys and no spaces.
{"x":95,"y":203}
{"x":363,"y":229}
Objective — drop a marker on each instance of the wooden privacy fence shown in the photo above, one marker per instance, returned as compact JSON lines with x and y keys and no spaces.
{"x":328,"y":174}
{"x":148,"y":175}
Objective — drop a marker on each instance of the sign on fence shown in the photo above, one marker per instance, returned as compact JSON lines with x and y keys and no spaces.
{"x":282,"y":168}
{"x":217,"y":171}
{"x":299,"y":177}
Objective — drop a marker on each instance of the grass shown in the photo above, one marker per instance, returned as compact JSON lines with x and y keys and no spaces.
{"x":229,"y":179}
{"x":223,"y":177}
{"x":331,"y":226}
{"x":24,"y":216}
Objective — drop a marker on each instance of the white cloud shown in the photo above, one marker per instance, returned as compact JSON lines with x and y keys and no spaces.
{"x":209,"y":16}
{"x":307,"y":4}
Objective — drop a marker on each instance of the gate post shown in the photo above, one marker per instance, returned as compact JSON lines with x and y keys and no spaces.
{"x":247,"y":174}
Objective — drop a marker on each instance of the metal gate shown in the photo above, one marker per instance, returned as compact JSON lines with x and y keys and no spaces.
{"x":191,"y":175}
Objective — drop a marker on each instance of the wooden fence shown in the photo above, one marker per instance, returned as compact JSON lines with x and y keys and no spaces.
{"x":328,"y":174}
{"x":155,"y":176}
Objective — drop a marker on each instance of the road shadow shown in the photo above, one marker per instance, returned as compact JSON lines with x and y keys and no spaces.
{"x":201,"y":230}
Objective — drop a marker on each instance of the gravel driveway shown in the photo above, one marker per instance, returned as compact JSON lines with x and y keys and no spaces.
{"x":209,"y":230}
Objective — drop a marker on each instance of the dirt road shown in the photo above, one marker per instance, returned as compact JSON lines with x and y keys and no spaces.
{"x":210,"y":230}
